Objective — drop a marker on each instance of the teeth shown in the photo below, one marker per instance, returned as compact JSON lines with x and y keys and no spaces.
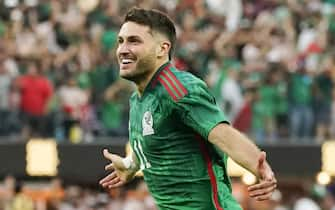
{"x":125,"y":61}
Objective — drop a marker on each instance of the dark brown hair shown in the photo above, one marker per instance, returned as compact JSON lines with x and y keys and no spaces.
{"x":156,"y":20}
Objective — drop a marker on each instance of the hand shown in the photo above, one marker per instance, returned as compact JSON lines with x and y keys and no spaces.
{"x":267,"y":181}
{"x":119,"y":175}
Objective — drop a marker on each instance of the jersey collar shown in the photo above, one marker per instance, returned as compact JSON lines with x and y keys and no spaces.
{"x":153,"y":82}
{"x":154,"y":79}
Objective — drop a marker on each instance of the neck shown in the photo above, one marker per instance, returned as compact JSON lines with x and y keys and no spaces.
{"x":141,"y":85}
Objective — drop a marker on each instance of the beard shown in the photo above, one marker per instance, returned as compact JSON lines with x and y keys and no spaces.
{"x":144,"y":67}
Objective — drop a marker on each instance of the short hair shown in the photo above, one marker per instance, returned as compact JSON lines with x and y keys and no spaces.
{"x":156,"y":20}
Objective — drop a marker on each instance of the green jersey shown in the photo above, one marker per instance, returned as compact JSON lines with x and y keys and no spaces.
{"x":169,"y":127}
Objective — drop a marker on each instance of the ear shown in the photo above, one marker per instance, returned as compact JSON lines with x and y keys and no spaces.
{"x":163,"y":49}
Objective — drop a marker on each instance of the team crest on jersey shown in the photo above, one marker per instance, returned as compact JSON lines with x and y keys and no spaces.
{"x":147,"y":123}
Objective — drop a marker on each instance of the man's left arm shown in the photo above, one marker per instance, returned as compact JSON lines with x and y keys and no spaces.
{"x":199,"y":111}
{"x":242,"y":150}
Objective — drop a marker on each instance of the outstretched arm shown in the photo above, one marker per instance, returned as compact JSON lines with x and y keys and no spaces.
{"x":243,"y":151}
{"x":122,"y":169}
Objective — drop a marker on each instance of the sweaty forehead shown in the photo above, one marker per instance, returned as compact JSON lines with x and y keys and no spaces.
{"x":134,"y":29}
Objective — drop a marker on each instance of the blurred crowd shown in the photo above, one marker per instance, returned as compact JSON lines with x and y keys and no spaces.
{"x":54,"y":195}
{"x":269,"y":63}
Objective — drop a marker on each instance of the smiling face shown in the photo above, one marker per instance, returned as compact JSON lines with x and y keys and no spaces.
{"x":136,"y":52}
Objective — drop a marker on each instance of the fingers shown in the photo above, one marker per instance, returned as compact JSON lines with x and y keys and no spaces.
{"x":111,"y":181}
{"x":109,"y":167}
{"x":108,"y":178}
{"x":118,"y":184}
{"x":262,"y":184}
{"x":263,"y":191}
{"x":264,"y":197}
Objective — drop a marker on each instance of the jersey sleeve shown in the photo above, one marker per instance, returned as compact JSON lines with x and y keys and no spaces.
{"x":198,"y":110}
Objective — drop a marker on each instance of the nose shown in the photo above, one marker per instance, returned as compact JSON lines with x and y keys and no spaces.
{"x":123,"y":49}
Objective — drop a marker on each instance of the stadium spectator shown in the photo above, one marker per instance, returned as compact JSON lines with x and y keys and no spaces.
{"x":20,"y":200}
{"x":231,"y":94}
{"x":5,"y":84}
{"x":7,"y":192}
{"x":300,"y":99}
{"x":72,"y":101}
{"x":35,"y":93}
{"x":323,"y":87}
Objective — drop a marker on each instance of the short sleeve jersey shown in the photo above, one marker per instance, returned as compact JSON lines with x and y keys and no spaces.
{"x":169,"y":127}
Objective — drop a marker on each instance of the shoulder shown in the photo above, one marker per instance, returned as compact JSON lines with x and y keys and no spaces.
{"x":176,"y":84}
{"x":133,"y":97}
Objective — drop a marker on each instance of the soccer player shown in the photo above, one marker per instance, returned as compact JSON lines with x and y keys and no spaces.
{"x":179,"y":137}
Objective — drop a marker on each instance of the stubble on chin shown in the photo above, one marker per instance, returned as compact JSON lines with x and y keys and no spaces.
{"x":142,"y":70}
{"x":134,"y":76}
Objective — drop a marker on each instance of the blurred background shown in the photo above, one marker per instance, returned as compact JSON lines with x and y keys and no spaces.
{"x":269,"y":63}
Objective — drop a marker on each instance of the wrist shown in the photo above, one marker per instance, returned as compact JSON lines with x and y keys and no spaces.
{"x":128,"y":162}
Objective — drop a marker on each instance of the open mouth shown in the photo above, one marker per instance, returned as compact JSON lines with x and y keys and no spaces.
{"x":126,"y":61}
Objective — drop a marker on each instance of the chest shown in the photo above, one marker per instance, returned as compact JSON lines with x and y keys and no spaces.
{"x":147,"y":118}
{"x":33,"y":85}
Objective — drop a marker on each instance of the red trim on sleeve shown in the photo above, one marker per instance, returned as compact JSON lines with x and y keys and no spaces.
{"x":181,"y":86}
{"x":154,"y":82}
{"x":167,"y":88}
{"x":171,"y":83}
{"x":211,"y":174}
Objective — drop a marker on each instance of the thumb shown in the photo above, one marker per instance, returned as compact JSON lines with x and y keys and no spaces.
{"x":261,"y":165}
{"x":115,"y":159}
{"x":107,"y":155}
{"x":261,"y":159}
{"x":110,"y":156}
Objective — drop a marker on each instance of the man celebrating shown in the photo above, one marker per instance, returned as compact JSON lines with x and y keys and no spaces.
{"x":179,"y":137}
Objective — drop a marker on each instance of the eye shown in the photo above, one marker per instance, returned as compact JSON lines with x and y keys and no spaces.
{"x":134,"y":40}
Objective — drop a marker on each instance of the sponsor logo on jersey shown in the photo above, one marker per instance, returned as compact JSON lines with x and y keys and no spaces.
{"x":147,"y":123}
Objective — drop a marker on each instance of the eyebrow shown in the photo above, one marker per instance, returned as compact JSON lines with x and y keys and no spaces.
{"x":129,"y":37}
